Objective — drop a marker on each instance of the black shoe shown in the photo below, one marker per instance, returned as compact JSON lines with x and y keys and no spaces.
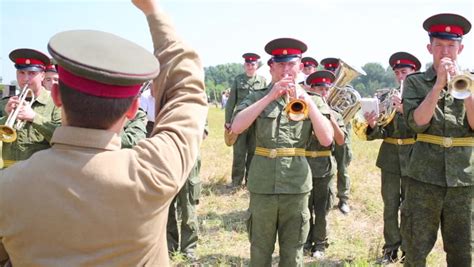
{"x":389,"y":256}
{"x":344,"y":207}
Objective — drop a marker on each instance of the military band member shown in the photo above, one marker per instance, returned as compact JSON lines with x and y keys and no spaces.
{"x":323,"y":167}
{"x":185,"y":239}
{"x":342,"y":153}
{"x":309,"y":66}
{"x":41,"y":117}
{"x":244,"y":148}
{"x":394,"y":155}
{"x":280,"y":178}
{"x":439,"y":191}
{"x":51,"y":77}
{"x":92,"y":202}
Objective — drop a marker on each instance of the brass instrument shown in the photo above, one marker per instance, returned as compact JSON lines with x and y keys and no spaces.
{"x":387,"y":111}
{"x":8,"y":131}
{"x":342,"y":97}
{"x":461,"y":85}
{"x":296,"y":109}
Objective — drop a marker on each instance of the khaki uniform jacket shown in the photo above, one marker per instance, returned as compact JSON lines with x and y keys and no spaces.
{"x":393,"y":158}
{"x":35,"y":135}
{"x":273,"y":129}
{"x":85,"y":201}
{"x":430,"y":163}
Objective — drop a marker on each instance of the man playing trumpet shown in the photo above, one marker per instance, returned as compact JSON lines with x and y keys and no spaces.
{"x":280,"y":178}
{"x":439,"y":190}
{"x":394,"y":155}
{"x":41,"y":117}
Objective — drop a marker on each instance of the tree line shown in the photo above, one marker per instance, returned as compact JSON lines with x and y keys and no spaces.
{"x":219,"y":78}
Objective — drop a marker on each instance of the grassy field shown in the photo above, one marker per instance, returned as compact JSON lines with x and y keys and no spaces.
{"x":355,"y":240}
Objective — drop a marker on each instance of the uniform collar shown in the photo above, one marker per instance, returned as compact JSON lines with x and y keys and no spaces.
{"x":85,"y":137}
{"x":430,"y":74}
{"x":44,"y":96}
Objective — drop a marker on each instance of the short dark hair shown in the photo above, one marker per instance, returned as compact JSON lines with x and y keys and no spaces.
{"x":88,"y":111}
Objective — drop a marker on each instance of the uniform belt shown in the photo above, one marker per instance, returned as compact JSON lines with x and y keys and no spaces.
{"x":398,"y":141}
{"x":445,"y":141}
{"x":7,"y":163}
{"x":317,"y":154}
{"x":279,"y":152}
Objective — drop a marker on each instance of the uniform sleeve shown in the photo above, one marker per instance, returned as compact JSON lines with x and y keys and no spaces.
{"x":231,"y":101}
{"x":340,"y":123}
{"x":181,"y":109}
{"x":46,"y":125}
{"x":411,"y":101}
{"x":134,"y":130}
{"x":248,"y":101}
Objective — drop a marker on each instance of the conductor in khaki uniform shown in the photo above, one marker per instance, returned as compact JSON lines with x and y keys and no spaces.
{"x":439,"y":191}
{"x":40,"y":117}
{"x":280,"y":176}
{"x":90,"y":201}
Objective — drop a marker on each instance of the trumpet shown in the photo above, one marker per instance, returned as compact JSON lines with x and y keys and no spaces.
{"x":296,"y":109}
{"x":461,"y":85}
{"x":8,"y":131}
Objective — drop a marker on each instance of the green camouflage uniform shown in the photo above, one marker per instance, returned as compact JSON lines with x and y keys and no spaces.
{"x":185,"y":202}
{"x":244,"y":147}
{"x":393,"y":162}
{"x":343,"y":155}
{"x":440,"y":187}
{"x":134,"y":130}
{"x":279,"y":187}
{"x":320,"y":201}
{"x":35,"y":135}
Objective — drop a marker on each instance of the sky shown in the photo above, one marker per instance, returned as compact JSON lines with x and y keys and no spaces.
{"x":357,"y":31}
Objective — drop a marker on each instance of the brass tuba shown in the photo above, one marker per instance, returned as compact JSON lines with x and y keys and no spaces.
{"x":8,"y":131}
{"x":342,"y":97}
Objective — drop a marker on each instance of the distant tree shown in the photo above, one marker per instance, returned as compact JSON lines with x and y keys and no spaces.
{"x":219,"y":78}
{"x":377,"y":77}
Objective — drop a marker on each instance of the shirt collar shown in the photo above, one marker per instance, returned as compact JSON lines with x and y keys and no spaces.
{"x":85,"y":137}
{"x":430,"y":74}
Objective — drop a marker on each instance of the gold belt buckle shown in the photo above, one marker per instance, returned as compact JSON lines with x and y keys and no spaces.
{"x":399,"y":142}
{"x":447,"y":141}
{"x":273,"y":153}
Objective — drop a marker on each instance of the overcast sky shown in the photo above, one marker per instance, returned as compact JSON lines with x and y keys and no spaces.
{"x":357,"y":31}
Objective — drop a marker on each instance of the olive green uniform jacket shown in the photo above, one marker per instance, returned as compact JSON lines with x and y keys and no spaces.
{"x":87,"y":202}
{"x":35,"y":135}
{"x":134,"y":130}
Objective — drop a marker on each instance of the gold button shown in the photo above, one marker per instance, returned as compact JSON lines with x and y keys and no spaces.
{"x":447,"y":142}
{"x":400,"y":142}
{"x":273,"y":153}
{"x":314,"y":154}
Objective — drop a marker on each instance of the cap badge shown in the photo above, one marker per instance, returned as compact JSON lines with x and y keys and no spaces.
{"x":330,"y":65}
{"x":285,"y":52}
{"x":27,"y":61}
{"x":324,"y":79}
{"x":398,"y":61}
{"x":448,"y":29}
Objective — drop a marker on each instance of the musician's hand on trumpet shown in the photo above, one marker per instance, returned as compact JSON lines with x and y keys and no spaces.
{"x":446,"y":70}
{"x":371,"y":118}
{"x":397,"y":102}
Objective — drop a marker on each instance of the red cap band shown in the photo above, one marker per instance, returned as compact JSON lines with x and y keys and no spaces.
{"x":404,"y":62}
{"x":251,"y":58}
{"x":331,"y":65}
{"x":28,"y":61}
{"x":447,"y":29}
{"x":286,"y":51}
{"x":321,"y":80}
{"x":91,"y":87}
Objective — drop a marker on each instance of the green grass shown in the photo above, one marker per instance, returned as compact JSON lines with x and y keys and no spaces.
{"x":355,"y":240}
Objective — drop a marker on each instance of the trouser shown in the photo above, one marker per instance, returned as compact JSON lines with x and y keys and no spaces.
{"x":393,"y":191}
{"x":244,"y":149}
{"x":285,"y":215}
{"x":320,"y":202}
{"x":428,"y":206}
{"x":343,"y":156}
{"x":185,"y":201}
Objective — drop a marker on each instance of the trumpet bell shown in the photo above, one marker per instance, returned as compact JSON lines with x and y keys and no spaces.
{"x":297,"y":110}
{"x":7,"y":134}
{"x":461,"y":86}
